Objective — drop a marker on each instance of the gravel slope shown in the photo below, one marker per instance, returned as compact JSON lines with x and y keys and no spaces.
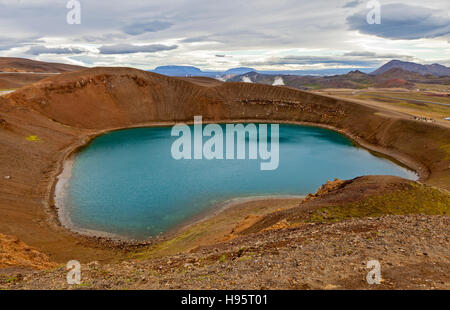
{"x":413,"y":251}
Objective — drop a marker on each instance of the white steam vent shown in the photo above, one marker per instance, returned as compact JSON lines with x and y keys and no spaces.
{"x":278,"y":81}
{"x":246,"y":79}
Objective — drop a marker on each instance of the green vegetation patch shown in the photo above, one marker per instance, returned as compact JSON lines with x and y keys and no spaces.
{"x":417,"y":200}
{"x":179,"y":243}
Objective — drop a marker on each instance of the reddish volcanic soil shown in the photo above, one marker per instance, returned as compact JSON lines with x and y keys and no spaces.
{"x":11,"y":64}
{"x":17,"y":80}
{"x":395,"y":83}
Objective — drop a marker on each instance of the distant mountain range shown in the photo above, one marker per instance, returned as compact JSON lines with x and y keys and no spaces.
{"x":409,"y":70}
{"x":394,"y":77}
{"x":434,"y":69}
{"x":395,"y":73}
{"x":183,"y":71}
{"x":194,"y":71}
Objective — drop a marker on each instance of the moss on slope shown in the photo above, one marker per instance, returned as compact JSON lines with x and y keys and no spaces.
{"x":418,"y":199}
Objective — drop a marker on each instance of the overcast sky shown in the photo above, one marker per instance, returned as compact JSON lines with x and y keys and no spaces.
{"x":217,"y":35}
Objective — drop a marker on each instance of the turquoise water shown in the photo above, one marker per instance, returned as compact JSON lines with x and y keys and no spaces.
{"x":127,"y":183}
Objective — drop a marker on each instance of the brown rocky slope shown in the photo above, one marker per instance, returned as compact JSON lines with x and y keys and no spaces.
{"x":12,"y":64}
{"x":17,"y":80}
{"x":18,"y":72}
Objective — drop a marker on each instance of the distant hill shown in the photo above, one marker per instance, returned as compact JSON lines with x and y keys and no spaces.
{"x":9,"y":64}
{"x":18,"y":72}
{"x":434,"y":69}
{"x":241,"y":70}
{"x":178,"y":71}
{"x":395,"y":83}
{"x":398,"y":73}
{"x":17,"y":80}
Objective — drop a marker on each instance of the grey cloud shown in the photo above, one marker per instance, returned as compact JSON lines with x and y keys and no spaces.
{"x":7,"y":47}
{"x":9,"y":43}
{"x":402,"y":21}
{"x":38,"y":50}
{"x":312,"y":60}
{"x":195,"y":39}
{"x":358,"y":54}
{"x":373,"y":55}
{"x":354,"y":58}
{"x":93,"y":60}
{"x":257,"y":26}
{"x":240,"y":36}
{"x":140,"y":28}
{"x":130,"y":49}
{"x":352,"y":4}
{"x":102,"y":38}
